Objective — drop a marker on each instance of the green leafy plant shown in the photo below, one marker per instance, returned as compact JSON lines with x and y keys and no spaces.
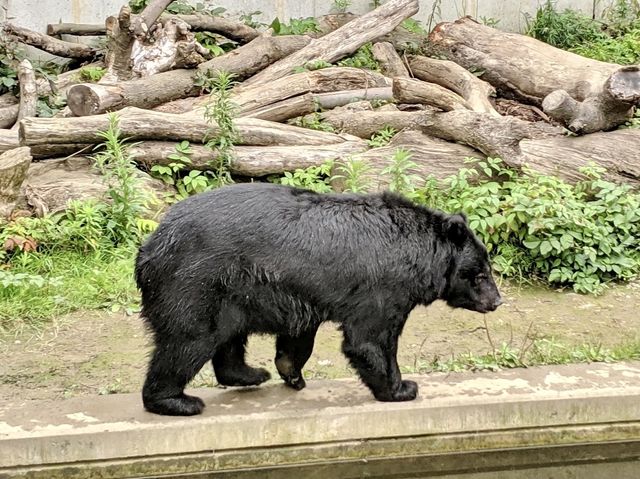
{"x":10,"y":56}
{"x":414,"y":26}
{"x":312,"y":121}
{"x":296,"y":26}
{"x":382,"y":137}
{"x":400,"y":180}
{"x":91,"y":74}
{"x":355,"y":174}
{"x":314,"y":178}
{"x":341,"y":6}
{"x":209,"y":41}
{"x":179,"y":8}
{"x":312,"y":65}
{"x":622,"y":16}
{"x":624,"y":49}
{"x":362,"y":58}
{"x":490,"y":21}
{"x":247,"y":19}
{"x":566,"y":29}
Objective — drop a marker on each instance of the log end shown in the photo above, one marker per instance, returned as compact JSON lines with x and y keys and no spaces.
{"x":624,"y":84}
{"x":560,"y":106}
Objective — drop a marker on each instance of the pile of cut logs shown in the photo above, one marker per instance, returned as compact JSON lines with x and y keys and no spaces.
{"x":496,"y":94}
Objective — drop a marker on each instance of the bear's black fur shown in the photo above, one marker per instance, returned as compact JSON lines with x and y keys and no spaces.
{"x":261,"y":258}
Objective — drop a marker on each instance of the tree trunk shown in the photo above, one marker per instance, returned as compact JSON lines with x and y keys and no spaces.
{"x":28,"y":91}
{"x":432,"y":156}
{"x":234,"y":30}
{"x":13,"y":171}
{"x":137,"y":124}
{"x":91,"y":99}
{"x":390,"y":62}
{"x":530,"y":70}
{"x":318,"y":81}
{"x":452,"y":76}
{"x":408,"y":90}
{"x":50,"y":44}
{"x":343,"y":41}
{"x":310,"y":102}
{"x":8,"y":140}
{"x":80,"y":29}
{"x":119,"y":45}
{"x":141,"y":24}
{"x":252,"y":161}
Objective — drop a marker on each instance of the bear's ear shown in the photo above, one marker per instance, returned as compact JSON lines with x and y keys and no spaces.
{"x":456,"y":229}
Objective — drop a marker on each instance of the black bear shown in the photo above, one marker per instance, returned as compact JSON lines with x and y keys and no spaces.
{"x":261,"y":258}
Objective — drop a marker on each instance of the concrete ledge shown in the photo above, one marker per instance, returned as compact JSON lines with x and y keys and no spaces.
{"x":577,"y":419}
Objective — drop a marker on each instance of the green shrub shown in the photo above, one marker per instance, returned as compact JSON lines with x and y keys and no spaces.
{"x":624,"y":50}
{"x":296,"y":26}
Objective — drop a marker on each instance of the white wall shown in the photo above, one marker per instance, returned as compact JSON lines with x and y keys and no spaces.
{"x":35,"y":14}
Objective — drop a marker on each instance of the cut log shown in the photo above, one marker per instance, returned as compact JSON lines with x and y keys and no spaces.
{"x":50,"y":44}
{"x":137,"y":124}
{"x":390,"y":62}
{"x":311,"y":102}
{"x":452,"y":76}
{"x":250,"y":160}
{"x":318,"y":81}
{"x":141,"y":23}
{"x":8,"y":140}
{"x":173,"y":46}
{"x":363,"y":124}
{"x":8,"y":99}
{"x":92,"y":99}
{"x":432,"y":156}
{"x":28,"y":91}
{"x":50,"y":185}
{"x":8,"y":116}
{"x":343,"y":41}
{"x":59,"y":85}
{"x":408,"y":90}
{"x":119,"y":45}
{"x":234,"y":30}
{"x":527,"y":69}
{"x":612,"y":106}
{"x":79,"y":29}
{"x":13,"y":171}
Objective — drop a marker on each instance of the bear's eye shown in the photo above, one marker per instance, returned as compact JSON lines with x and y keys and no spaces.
{"x":479,"y":278}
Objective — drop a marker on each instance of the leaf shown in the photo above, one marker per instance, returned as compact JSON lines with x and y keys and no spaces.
{"x":545,"y":248}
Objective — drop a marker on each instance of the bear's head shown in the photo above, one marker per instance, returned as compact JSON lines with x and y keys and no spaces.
{"x":470,"y":284}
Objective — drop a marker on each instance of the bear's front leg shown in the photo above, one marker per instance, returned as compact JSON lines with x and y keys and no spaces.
{"x":292,"y":353}
{"x":373,"y":354}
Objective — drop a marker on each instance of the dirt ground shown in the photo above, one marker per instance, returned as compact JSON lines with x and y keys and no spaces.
{"x":96,"y":352}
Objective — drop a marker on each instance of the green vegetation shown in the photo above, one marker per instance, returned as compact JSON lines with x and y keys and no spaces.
{"x":91,"y":74}
{"x":362,"y":58}
{"x":382,"y":137}
{"x":10,"y":56}
{"x":296,"y":26}
{"x":616,"y":39}
{"x":341,"y":6}
{"x":180,"y":8}
{"x":314,"y":178}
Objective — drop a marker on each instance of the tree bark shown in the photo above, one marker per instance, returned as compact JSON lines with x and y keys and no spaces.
{"x":137,"y":124}
{"x":91,"y":99}
{"x":8,"y":140}
{"x":390,"y":62}
{"x":343,"y":41}
{"x":50,"y":44}
{"x":318,"y":81}
{"x":432,"y":156}
{"x":610,"y":107}
{"x":452,"y":76}
{"x":141,"y":24}
{"x":119,"y":45}
{"x":310,"y":102}
{"x":250,"y":160}
{"x":234,"y":30}
{"x":408,"y":90}
{"x":9,"y":116}
{"x":13,"y":171}
{"x":80,"y":29}
{"x":539,"y":146}
{"x":518,"y":65}
{"x":28,"y":91}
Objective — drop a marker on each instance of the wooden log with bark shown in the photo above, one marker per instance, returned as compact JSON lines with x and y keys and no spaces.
{"x":318,"y":81}
{"x":452,"y":76}
{"x":9,"y":115}
{"x":343,"y":41}
{"x":526,"y":69}
{"x":8,"y":140}
{"x":92,"y":98}
{"x":49,"y":44}
{"x":519,"y":143}
{"x":138,"y":124}
{"x":390,"y":62}
{"x":310,"y":102}
{"x":232,"y":29}
{"x":408,"y":90}
{"x":79,"y":29}
{"x":28,"y":90}
{"x":14,"y":165}
{"x":252,"y":161}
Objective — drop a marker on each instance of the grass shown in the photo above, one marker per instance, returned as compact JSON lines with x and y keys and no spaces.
{"x":95,"y":280}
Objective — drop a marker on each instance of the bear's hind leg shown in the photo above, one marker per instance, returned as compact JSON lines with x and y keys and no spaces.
{"x":230,"y":367}
{"x":292,"y":353}
{"x":174,"y":363}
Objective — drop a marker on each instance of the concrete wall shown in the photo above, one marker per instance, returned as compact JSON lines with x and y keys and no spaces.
{"x":36,"y":14}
